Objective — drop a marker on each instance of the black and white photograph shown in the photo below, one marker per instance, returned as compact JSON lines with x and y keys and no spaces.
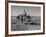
{"x":25,"y":18}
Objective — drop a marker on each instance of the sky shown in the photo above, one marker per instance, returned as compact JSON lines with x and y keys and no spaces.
{"x":30,"y":10}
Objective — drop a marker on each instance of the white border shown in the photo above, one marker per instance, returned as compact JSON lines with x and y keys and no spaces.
{"x":22,"y":32}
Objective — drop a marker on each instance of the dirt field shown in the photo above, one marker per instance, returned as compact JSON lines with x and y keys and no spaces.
{"x":17,"y":25}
